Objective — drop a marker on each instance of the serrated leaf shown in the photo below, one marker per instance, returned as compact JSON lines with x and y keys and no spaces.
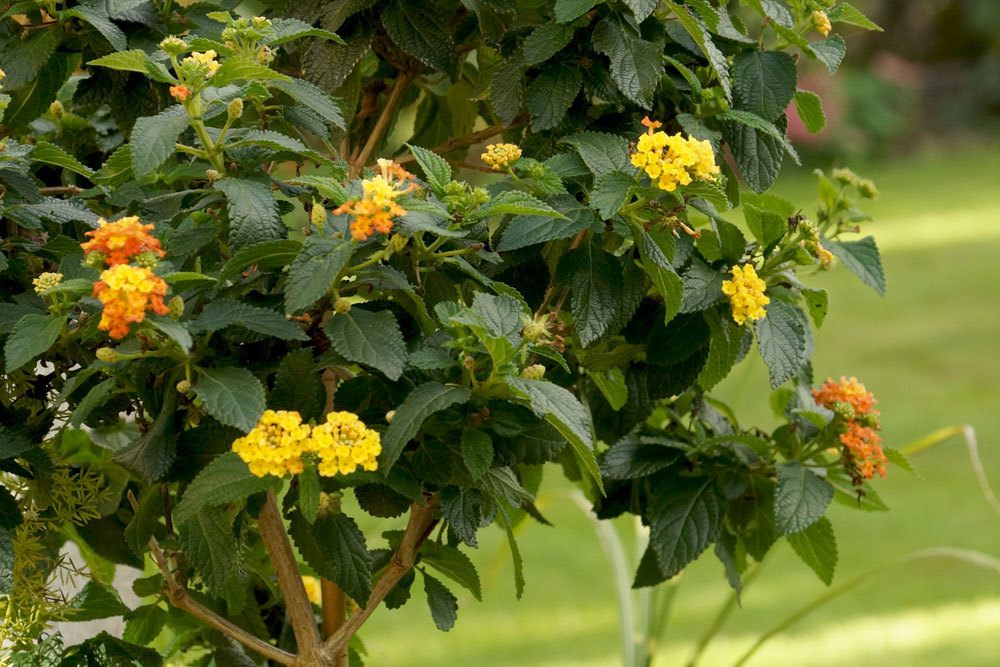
{"x":758,"y":155}
{"x":551,"y":95}
{"x":285,"y":30}
{"x":781,"y":339}
{"x":633,"y":457}
{"x":507,"y":89}
{"x":222,"y":313}
{"x":226,"y":479}
{"x":94,"y":602}
{"x":266,"y":256}
{"x":453,"y":564}
{"x":863,"y":260}
{"x":335,"y":548}
{"x":817,"y":547}
{"x":462,"y":510}
{"x":157,"y":136}
{"x":515,"y":554}
{"x":596,"y":282}
{"x":309,"y":493}
{"x":442,"y":602}
{"x":253,"y":211}
{"x":809,"y":107}
{"x":209,"y":544}
{"x":657,"y":266}
{"x":764,"y":82}
{"x":151,"y":455}
{"x":723,"y":350}
{"x":847,"y":13}
{"x":753,"y":514}
{"x":830,"y":52}
{"x":610,"y":192}
{"x":636,"y":65}
{"x":144,"y":521}
{"x":514,"y":202}
{"x":602,"y":153}
{"x":611,"y":384}
{"x":684,"y":520}
{"x":417,"y":32}
{"x":314,"y":271}
{"x":716,"y":59}
{"x":801,"y":499}
{"x":702,"y":287}
{"x":100,"y":22}
{"x":142,"y":625}
{"x":31,"y":336}
{"x":818,"y":303}
{"x":234,"y":396}
{"x":567,"y":10}
{"x":477,"y":452}
{"x":54,"y":155}
{"x":241,"y":68}
{"x":527,"y":230}
{"x":312,"y":97}
{"x":544,"y":42}
{"x":97,"y":396}
{"x":766,"y":226}
{"x":419,"y":404}
{"x":298,"y":386}
{"x":437,"y":171}
{"x":564,"y":412}
{"x":135,"y":61}
{"x":368,"y":338}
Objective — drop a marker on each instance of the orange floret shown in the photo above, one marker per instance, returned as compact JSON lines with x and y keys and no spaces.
{"x":127,"y":293}
{"x":180,"y":92}
{"x":863,"y":450}
{"x":121,"y":240}
{"x":847,"y":390}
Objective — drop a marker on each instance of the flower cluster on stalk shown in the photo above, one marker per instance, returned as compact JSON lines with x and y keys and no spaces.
{"x":863,"y":454}
{"x":377,"y":209}
{"x":501,"y":156}
{"x":746,"y":294}
{"x":282,"y":444}
{"x":671,"y":159}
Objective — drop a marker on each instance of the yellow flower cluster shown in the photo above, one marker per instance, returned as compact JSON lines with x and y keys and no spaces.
{"x":46,"y":281}
{"x":671,"y":160}
{"x":280,"y":442}
{"x":821,"y":22}
{"x":501,"y":156}
{"x":746,"y":294}
{"x":377,"y":208}
{"x":344,"y":443}
{"x":205,"y":61}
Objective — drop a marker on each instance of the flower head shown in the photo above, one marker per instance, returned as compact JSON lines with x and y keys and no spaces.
{"x":671,"y":160}
{"x":746,"y":294}
{"x":275,"y":445}
{"x":821,"y":22}
{"x":173,"y":46}
{"x":180,"y":92}
{"x":121,"y":240}
{"x":377,"y":207}
{"x":501,"y":156}
{"x":343,"y":444}
{"x":127,"y":293}
{"x":46,"y":281}
{"x":863,"y":451}
{"x":203,"y":61}
{"x":849,"y":391}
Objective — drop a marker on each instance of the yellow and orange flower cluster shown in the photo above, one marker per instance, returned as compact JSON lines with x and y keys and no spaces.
{"x":746,"y":294}
{"x":501,"y":156}
{"x":671,"y":160}
{"x":281,"y":443}
{"x":377,"y":208}
{"x":127,"y":293}
{"x":120,"y":241}
{"x":863,"y":453}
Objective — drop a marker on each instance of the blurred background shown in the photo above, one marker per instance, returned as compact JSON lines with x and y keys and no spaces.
{"x":917,"y":109}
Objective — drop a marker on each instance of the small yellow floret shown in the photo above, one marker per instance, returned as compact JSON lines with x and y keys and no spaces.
{"x":275,"y":446}
{"x":821,"y":22}
{"x":343,"y":444}
{"x":671,"y":160}
{"x":46,"y":281}
{"x":501,"y":156}
{"x":206,"y":60}
{"x":746,"y":294}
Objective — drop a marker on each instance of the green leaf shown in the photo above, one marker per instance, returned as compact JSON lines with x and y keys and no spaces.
{"x":142,"y":625}
{"x":597,"y":296}
{"x":442,"y":602}
{"x":724,"y":348}
{"x":24,"y":59}
{"x":514,"y":202}
{"x":419,"y":404}
{"x":240,"y":68}
{"x":416,"y":31}
{"x":564,"y":412}
{"x":684,"y":519}
{"x":801,"y":500}
{"x":298,"y":386}
{"x":462,"y":510}
{"x":175,"y":331}
{"x":477,"y":452}
{"x":602,"y":153}
{"x":226,"y":479}
{"x":899,"y":459}
{"x":209,"y":544}
{"x":507,"y":89}
{"x":266,"y":256}
{"x":335,"y":548}
{"x":253,"y":211}
{"x":702,"y":287}
{"x":817,"y":547}
{"x":863,"y":260}
{"x":847,"y":13}
{"x":287,"y":29}
{"x":222,"y":313}
{"x":611,"y":384}
{"x":105,"y":649}
{"x":314,"y":271}
{"x":641,"y":8}
{"x":232,"y":395}
{"x":453,"y":564}
{"x":610,"y":192}
{"x":829,"y":51}
{"x":515,"y":554}
{"x":31,"y":336}
{"x":135,"y":61}
{"x":633,"y":457}
{"x":551,"y":95}
{"x":544,"y":42}
{"x":758,"y":155}
{"x":567,"y":10}
{"x":753,"y":514}
{"x":157,"y":136}
{"x":810,"y":109}
{"x":368,"y":338}
{"x":312,"y":97}
{"x":6,"y":561}
{"x":764,"y":82}
{"x":10,"y":513}
{"x":52,"y":154}
{"x":95,"y":601}
{"x":144,"y":521}
{"x":781,"y":339}
{"x":527,"y":230}
{"x":151,"y":455}
{"x":766,"y":226}
{"x":660,"y":271}
{"x":716,"y":59}
{"x":437,"y":171}
{"x":636,"y":65}
{"x":309,"y":493}
{"x":100,"y":22}
{"x":94,"y":398}
{"x":818,"y":302}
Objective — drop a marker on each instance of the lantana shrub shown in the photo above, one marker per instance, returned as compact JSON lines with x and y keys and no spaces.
{"x":263,"y":273}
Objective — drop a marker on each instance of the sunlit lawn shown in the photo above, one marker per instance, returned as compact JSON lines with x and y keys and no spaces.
{"x":929,"y":350}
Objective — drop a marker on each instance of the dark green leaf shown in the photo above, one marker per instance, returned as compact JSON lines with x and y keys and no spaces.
{"x":764,"y":82}
{"x":611,"y":191}
{"x":863,"y":260}
{"x":684,"y":520}
{"x":636,"y":65}
{"x":144,"y":521}
{"x":314,"y":271}
{"x":232,"y":395}
{"x":551,"y":95}
{"x":335,"y":548}
{"x":781,"y":339}
{"x":817,"y":547}
{"x":477,"y":452}
{"x":226,"y":479}
{"x":253,"y":212}
{"x":369,"y":338}
{"x":222,"y":313}
{"x":544,"y":42}
{"x":157,"y":136}
{"x":602,"y":153}
{"x":95,"y":601}
{"x":567,"y":10}
{"x":421,"y":403}
{"x":801,"y":500}
{"x":437,"y":171}
{"x":209,"y":544}
{"x":442,"y":602}
{"x":416,"y":31}
{"x":33,"y":335}
{"x":298,"y":386}
{"x":453,"y":564}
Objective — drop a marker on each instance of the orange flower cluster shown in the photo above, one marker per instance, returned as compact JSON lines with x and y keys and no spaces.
{"x":120,"y":241}
{"x":863,"y":452}
{"x":377,"y":208}
{"x":127,"y":292}
{"x":180,"y":92}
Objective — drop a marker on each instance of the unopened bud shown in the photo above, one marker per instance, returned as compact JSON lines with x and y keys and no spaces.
{"x":175,"y":307}
{"x":317,"y":215}
{"x":184,"y":387}
{"x":397,"y":242}
{"x":212,"y":175}
{"x":95,"y":260}
{"x":46,"y":281}
{"x":821,"y":22}
{"x":57,"y":109}
{"x":389,"y":416}
{"x":260,"y":23}
{"x":536,"y":330}
{"x":106,"y":354}
{"x":341,"y":305}
{"x":265,"y":55}
{"x":147,"y":259}
{"x":235,"y":108}
{"x":867,"y":188}
{"x":468,"y":362}
{"x":533,"y":372}
{"x":173,"y":46}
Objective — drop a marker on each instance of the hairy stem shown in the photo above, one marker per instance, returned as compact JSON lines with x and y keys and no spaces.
{"x":470,"y":139}
{"x":382,"y":123}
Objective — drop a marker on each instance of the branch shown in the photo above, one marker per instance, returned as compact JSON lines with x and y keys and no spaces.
{"x":382,"y":124}
{"x":470,"y":139}
{"x":419,"y":526}
{"x":54,"y":191}
{"x":334,"y":615}
{"x":178,"y":596}
{"x":297,"y":605}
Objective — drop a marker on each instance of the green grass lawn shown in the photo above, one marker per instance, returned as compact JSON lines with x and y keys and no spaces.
{"x":929,"y":352}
